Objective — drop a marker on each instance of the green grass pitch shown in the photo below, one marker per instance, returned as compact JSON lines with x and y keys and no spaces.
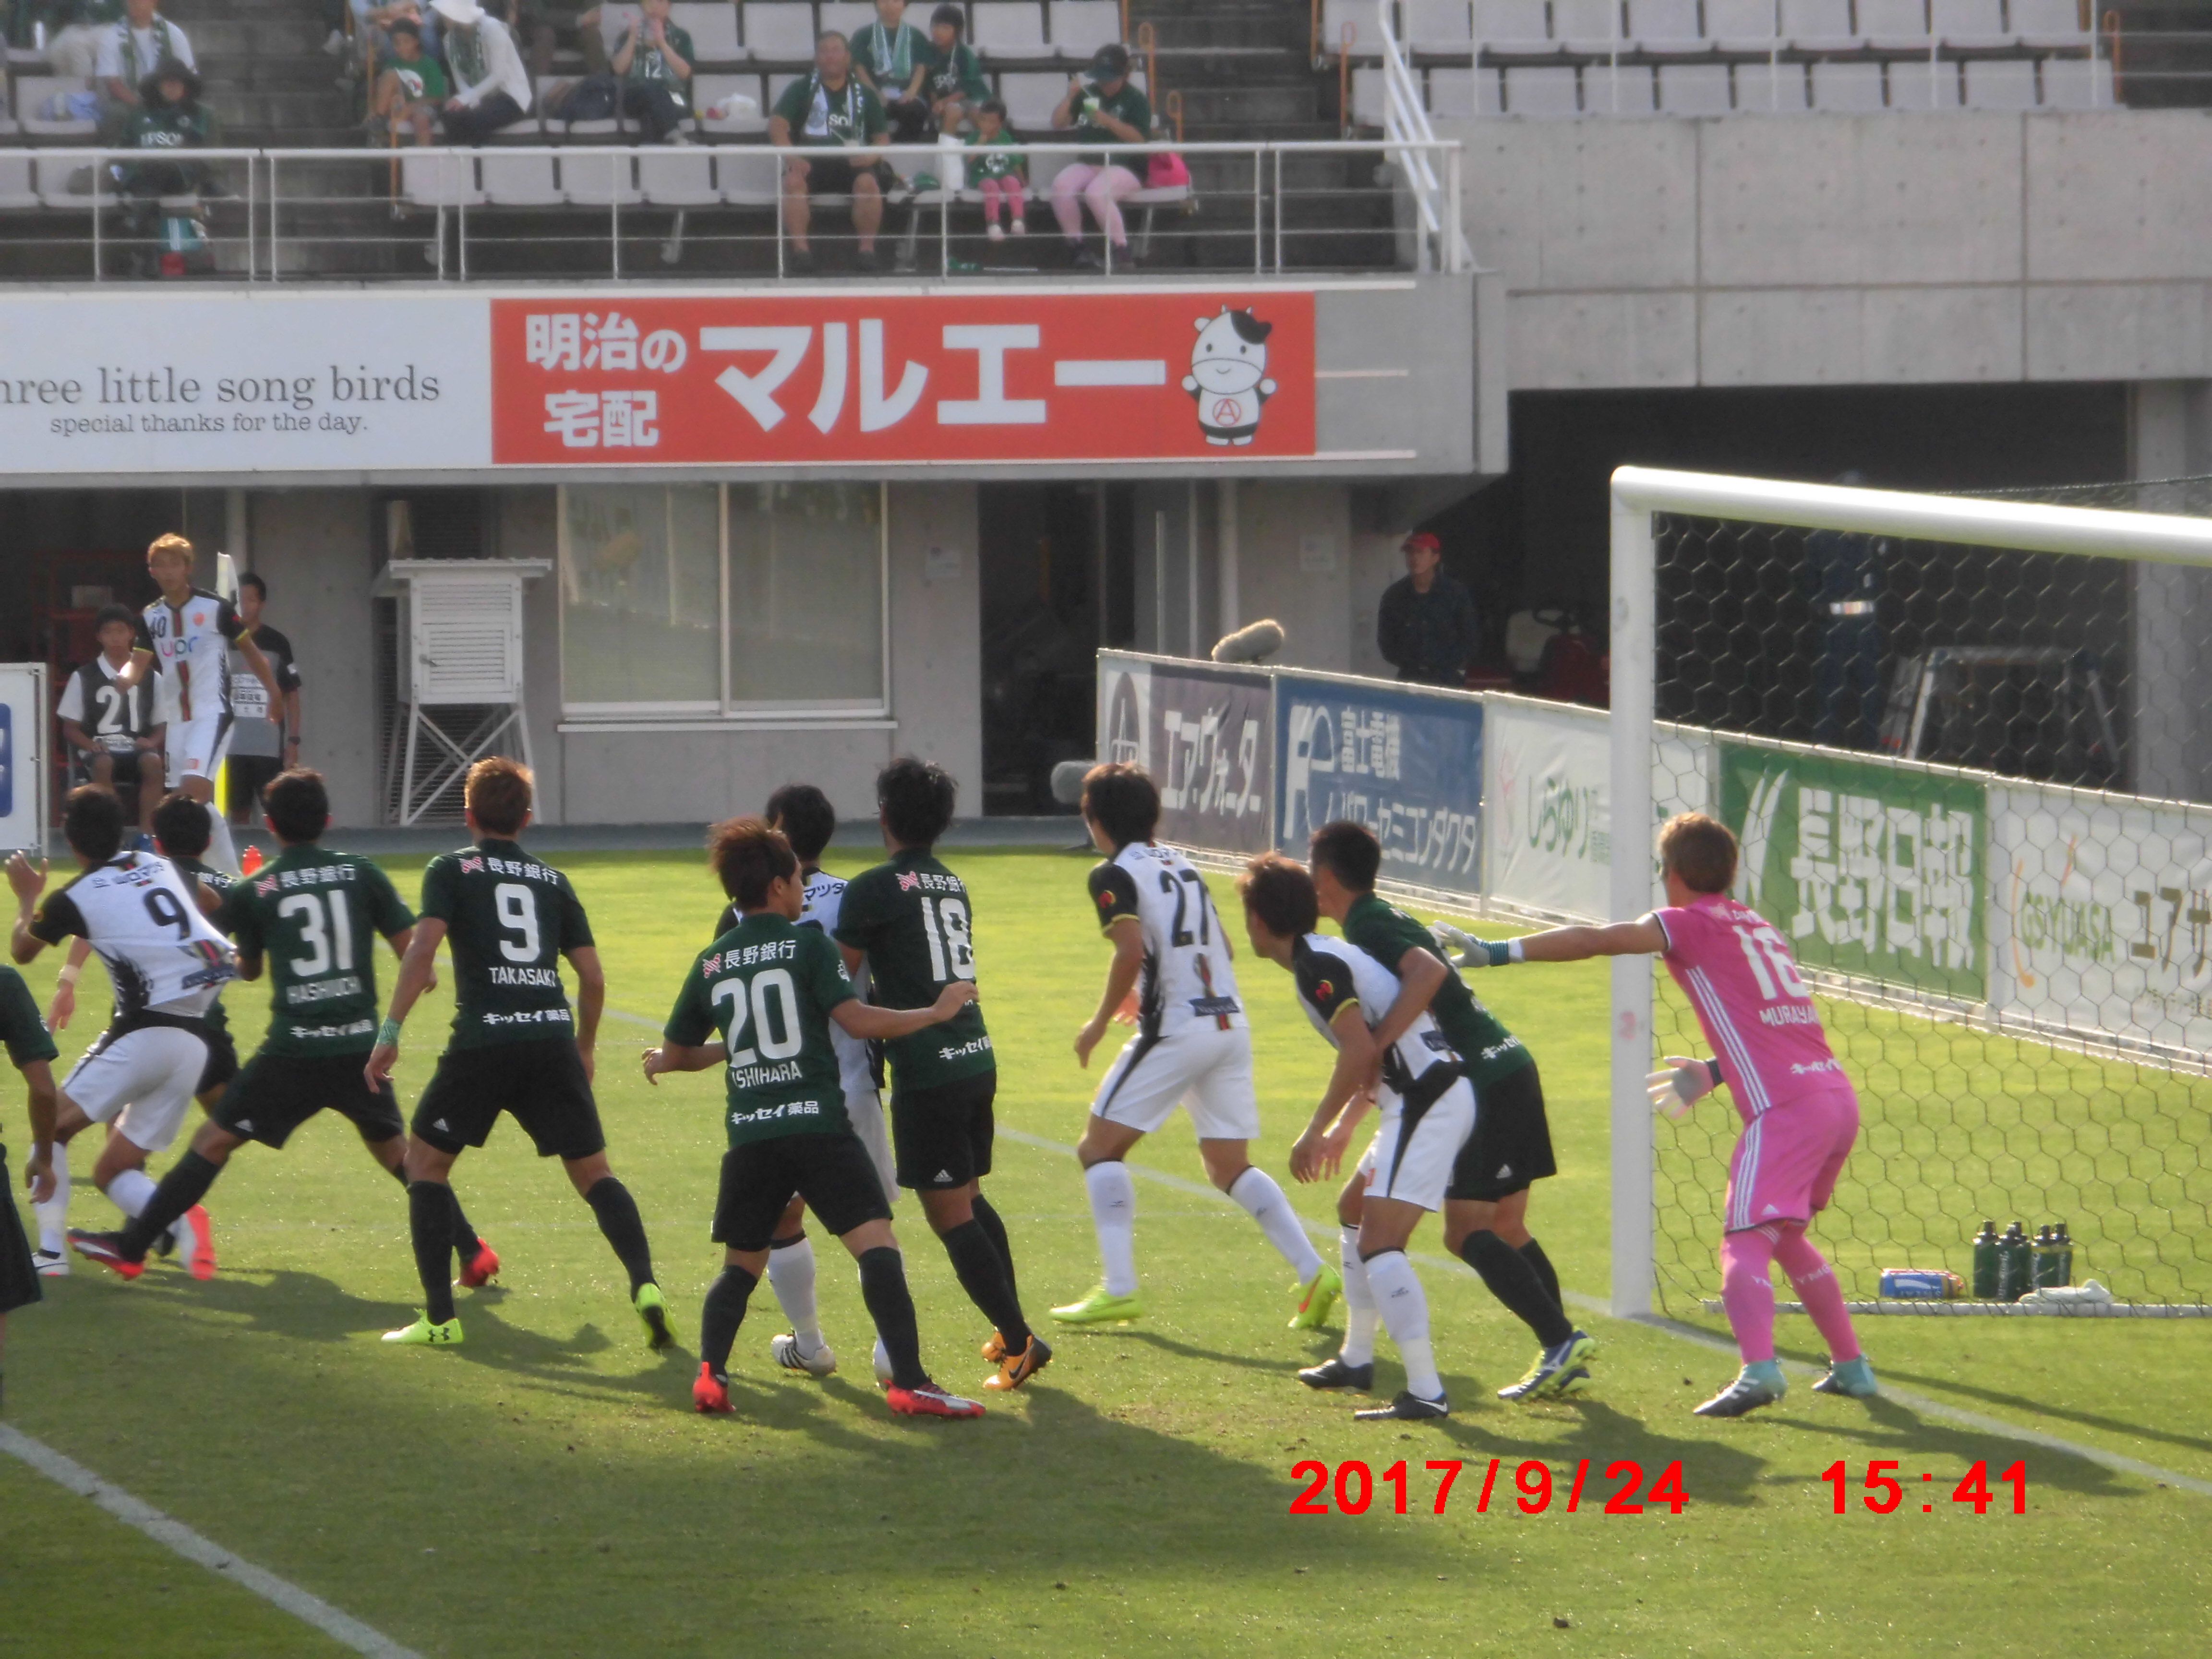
{"x":546,"y":1490}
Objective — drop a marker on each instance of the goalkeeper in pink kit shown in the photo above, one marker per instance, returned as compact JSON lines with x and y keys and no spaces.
{"x":1800,"y":1114}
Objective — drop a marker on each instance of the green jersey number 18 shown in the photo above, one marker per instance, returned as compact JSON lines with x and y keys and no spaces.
{"x":952,"y":945}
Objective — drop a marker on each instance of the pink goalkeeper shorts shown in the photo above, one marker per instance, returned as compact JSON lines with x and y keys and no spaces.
{"x":1788,"y":1158}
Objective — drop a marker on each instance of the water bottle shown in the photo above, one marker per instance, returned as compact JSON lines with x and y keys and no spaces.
{"x":2014,"y":1262}
{"x":2043,"y":1264}
{"x":1985,"y":1263}
{"x":2065,"y":1253}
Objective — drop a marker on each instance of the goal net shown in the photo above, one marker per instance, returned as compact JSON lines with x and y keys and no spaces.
{"x":1966,"y":746}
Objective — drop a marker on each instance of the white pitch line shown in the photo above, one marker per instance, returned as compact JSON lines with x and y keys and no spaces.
{"x":175,"y":1534}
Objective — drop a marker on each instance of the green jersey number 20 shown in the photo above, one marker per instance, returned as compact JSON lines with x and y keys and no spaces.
{"x":778,"y":1034}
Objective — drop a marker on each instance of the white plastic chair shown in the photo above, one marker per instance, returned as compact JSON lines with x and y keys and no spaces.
{"x":1079,"y":28}
{"x":1818,"y":26}
{"x":1617,"y":89}
{"x":1771,"y":90}
{"x":1742,"y":24}
{"x":779,"y":31}
{"x":2000,"y":83}
{"x":1461,"y":95}
{"x":1895,"y":25}
{"x":1588,"y":27}
{"x":1514,"y":29}
{"x":1665,"y":28}
{"x":676,"y":178}
{"x":713,"y":26}
{"x":1031,"y":97}
{"x":513,"y":181}
{"x":439,"y":178}
{"x":601,"y":180}
{"x":17,"y":187}
{"x":1541,"y":91}
{"x":1969,"y":25}
{"x":1694,"y":89}
{"x":2077,"y":83}
{"x":1007,"y":28}
{"x":1360,"y":14}
{"x":749,"y":176}
{"x":1924,"y":83}
{"x":1847,"y":88}
{"x":1437,"y":26}
{"x":2048,"y":26}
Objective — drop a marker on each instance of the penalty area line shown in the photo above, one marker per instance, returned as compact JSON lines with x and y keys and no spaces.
{"x":173,"y":1535}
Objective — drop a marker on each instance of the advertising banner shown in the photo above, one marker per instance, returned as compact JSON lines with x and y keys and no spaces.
{"x":22,"y":757}
{"x":751,"y":378}
{"x":1206,"y":735}
{"x":2102,"y":913}
{"x":1867,"y":868}
{"x":1407,"y":764}
{"x":1548,"y":821}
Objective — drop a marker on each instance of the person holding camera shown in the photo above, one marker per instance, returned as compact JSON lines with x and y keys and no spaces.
{"x":1102,"y":108}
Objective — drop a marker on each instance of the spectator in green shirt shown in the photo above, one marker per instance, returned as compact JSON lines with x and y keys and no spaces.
{"x":1102,"y":108}
{"x":654,"y":61}
{"x":412,"y":87}
{"x":829,"y":108}
{"x":955,"y":85}
{"x":891,"y":57}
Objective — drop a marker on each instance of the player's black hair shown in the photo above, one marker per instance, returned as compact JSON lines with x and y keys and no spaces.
{"x":916,"y":798}
{"x":805,"y":817}
{"x":952,"y":15}
{"x":1279,"y":892}
{"x":1347,"y":851}
{"x":1700,"y":850}
{"x":297,"y":804}
{"x":92,"y":821}
{"x":249,"y":580}
{"x":1250,"y":329}
{"x":991,"y":106}
{"x":115,"y":613}
{"x":1122,"y":798}
{"x":405,"y":26}
{"x":498,"y":793}
{"x":182,"y":825}
{"x":750,"y":858}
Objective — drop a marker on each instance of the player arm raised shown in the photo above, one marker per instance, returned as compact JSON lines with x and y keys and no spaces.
{"x":1641,"y":937}
{"x":23,"y":944}
{"x":134,"y":673}
{"x":1128,"y":936}
{"x":873,"y":1024}
{"x":1356,"y":1056}
{"x":417,"y":973}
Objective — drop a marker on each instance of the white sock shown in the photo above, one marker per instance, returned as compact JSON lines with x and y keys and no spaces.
{"x":1114,"y":1212}
{"x":130,"y":1192}
{"x":1263,"y":1200}
{"x":52,"y":1216}
{"x":883,"y":1359}
{"x":222,"y":849}
{"x":791,"y":1276}
{"x":1405,"y":1308}
{"x":1360,"y":1315}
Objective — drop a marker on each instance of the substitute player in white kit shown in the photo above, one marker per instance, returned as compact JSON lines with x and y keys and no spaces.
{"x":167,"y":964}
{"x":1192,"y":1048}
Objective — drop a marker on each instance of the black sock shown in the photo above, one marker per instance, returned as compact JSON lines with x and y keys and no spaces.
{"x":988,"y":1219}
{"x":890,"y":1304}
{"x":625,"y":1229}
{"x":184,"y":1185}
{"x":1513,"y":1281}
{"x":429,"y":1218}
{"x":465,"y":1233}
{"x":1533,"y":1254}
{"x":984,"y":1275}
{"x":720,"y":1314}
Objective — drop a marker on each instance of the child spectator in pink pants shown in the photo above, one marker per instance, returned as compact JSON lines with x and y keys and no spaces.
{"x":997,"y":164}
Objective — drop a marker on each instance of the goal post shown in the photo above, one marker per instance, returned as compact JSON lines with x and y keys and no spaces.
{"x":1889,"y":696}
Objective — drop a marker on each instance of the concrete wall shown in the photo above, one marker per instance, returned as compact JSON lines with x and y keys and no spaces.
{"x":1828,"y":249}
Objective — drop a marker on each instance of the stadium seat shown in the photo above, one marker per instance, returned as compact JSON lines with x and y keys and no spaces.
{"x":1617,"y":90}
{"x":748,"y":177}
{"x":1541,"y":91}
{"x":1771,"y":90}
{"x":1969,"y":25}
{"x":1368,"y":95}
{"x":1847,"y":88}
{"x":779,"y":31}
{"x":2000,"y":83}
{"x":1079,"y":28}
{"x":512,"y":180}
{"x":849,"y":17}
{"x":1514,"y":30}
{"x":1694,"y":88}
{"x":583,"y":132}
{"x":1898,"y":26}
{"x":1438,"y":26}
{"x":614,"y":21}
{"x":708,"y":90}
{"x":1008,"y":28}
{"x":439,"y":178}
{"x":33,"y":93}
{"x":2048,"y":26}
{"x":676,"y":178}
{"x":1588,"y":27}
{"x":1031,"y":97}
{"x":17,"y":188}
{"x":713,"y":25}
{"x":599,"y":180}
{"x":1818,"y":26}
{"x":1366,"y":41}
{"x":776,"y":84}
{"x":2077,"y":83}
{"x":1667,"y":28}
{"x":1460,"y":94}
{"x":1924,"y":83}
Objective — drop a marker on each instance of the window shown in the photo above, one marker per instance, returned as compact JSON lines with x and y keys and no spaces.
{"x":727,"y":601}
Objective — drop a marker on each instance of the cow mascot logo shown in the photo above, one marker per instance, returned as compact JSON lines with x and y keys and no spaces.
{"x":1227,"y":375}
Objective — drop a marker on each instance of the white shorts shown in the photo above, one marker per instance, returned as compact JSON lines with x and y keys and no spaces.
{"x":1415,"y":1166}
{"x":1197,"y":1065}
{"x":146,"y":1076}
{"x":196,"y":747}
{"x":865,"y":1107}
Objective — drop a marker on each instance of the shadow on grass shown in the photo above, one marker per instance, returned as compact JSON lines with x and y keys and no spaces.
{"x":1925,"y":1445}
{"x":2129,"y":1428}
{"x":1711,"y":1473}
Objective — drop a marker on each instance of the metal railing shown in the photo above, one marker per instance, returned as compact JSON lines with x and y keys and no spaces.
{"x":525,"y":211}
{"x":1439,"y":243}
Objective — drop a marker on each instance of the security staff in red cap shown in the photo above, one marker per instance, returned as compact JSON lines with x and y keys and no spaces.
{"x":1425,"y":626}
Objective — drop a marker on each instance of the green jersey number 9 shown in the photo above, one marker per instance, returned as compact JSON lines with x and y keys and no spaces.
{"x":518,"y":914}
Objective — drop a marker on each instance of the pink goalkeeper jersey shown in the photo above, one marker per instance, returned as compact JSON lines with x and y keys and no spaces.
{"x":1757,"y":1010}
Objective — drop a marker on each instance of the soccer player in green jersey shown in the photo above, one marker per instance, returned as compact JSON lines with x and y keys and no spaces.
{"x":516,"y":1045}
{"x":909,"y":919}
{"x":311,"y":916}
{"x":771,"y":990}
{"x":24,"y":1035}
{"x":1486,"y":1205}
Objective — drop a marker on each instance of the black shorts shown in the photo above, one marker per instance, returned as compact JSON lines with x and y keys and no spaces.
{"x":1511,"y":1144}
{"x":540,"y":1084}
{"x":249,"y":775}
{"x":941,"y":1136}
{"x":221,"y":1061}
{"x":19,"y":1280}
{"x":829,"y":172}
{"x":276,"y":1093}
{"x":833,"y":1172}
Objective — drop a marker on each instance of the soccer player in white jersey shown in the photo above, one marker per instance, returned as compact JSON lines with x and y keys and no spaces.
{"x":167,"y":962}
{"x":808,"y":822}
{"x":187,"y":635}
{"x":1426,"y":1106}
{"x":1192,"y":1048}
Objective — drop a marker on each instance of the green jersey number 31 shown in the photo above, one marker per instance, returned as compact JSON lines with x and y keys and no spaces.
{"x":325,"y":922}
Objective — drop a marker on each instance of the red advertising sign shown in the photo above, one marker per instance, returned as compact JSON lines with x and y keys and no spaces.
{"x":786,"y":381}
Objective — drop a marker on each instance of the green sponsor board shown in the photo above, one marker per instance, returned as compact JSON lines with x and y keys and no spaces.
{"x":1868,"y":869}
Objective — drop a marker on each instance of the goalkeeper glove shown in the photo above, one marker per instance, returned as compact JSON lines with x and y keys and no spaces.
{"x":1681,"y":1084}
{"x":1465,"y":950}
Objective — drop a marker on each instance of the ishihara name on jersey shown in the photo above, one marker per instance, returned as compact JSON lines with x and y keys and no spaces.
{"x":1186,"y":974}
{"x":508,"y":920}
{"x":164,"y":959}
{"x":767,"y":986}
{"x":318,"y":917}
{"x":192,"y":643}
{"x":1331,"y":974}
{"x":825,"y":898}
